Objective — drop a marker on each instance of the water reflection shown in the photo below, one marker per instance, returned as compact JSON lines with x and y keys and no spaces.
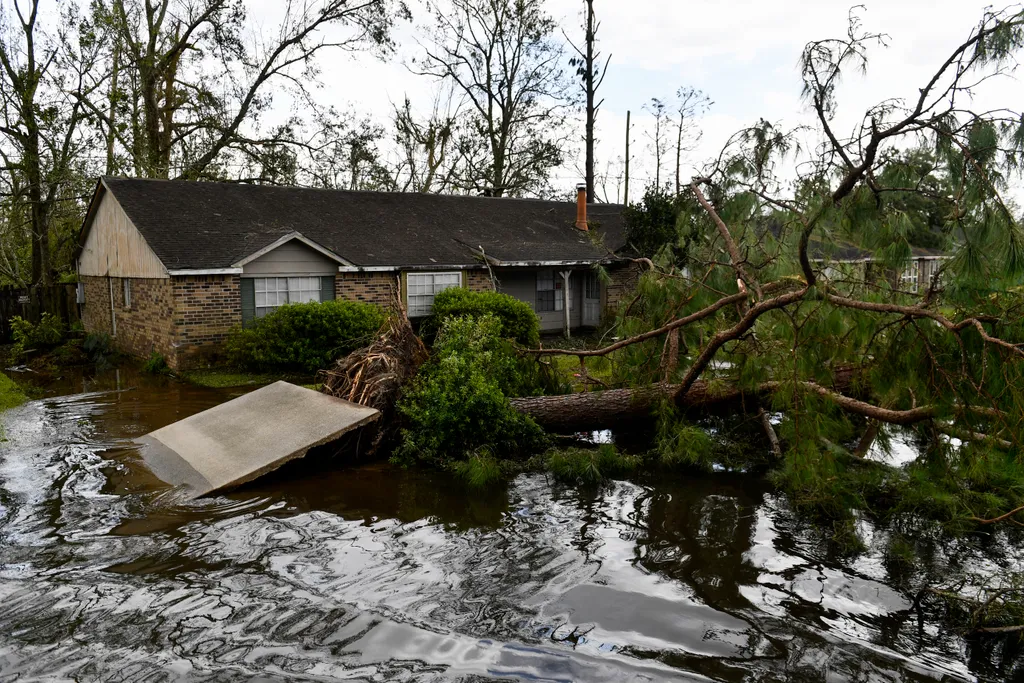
{"x":377,"y":573}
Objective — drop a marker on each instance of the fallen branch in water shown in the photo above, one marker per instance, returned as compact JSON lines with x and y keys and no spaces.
{"x":998,"y":519}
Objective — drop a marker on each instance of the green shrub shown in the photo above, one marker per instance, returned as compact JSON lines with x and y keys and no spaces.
{"x":47,"y":334}
{"x":304,"y":336}
{"x":156,"y":364}
{"x":518,"y":321}
{"x":50,"y":331}
{"x":458,"y":401}
{"x":589,"y":465}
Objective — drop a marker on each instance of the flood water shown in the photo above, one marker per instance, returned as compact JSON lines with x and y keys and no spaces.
{"x":369,"y":572}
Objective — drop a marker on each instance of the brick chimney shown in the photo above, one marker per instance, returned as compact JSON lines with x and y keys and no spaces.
{"x":581,"y":207}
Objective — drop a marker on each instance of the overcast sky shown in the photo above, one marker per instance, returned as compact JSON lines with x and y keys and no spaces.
{"x":743,"y":54}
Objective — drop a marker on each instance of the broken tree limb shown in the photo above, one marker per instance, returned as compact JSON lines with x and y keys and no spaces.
{"x":769,"y":431}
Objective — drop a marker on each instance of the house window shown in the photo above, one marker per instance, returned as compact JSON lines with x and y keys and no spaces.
{"x":274,"y":292}
{"x":127,"y":284}
{"x":592,"y":287}
{"x":545,"y":290}
{"x":929,"y":268}
{"x":422,"y":287}
{"x":551,"y":291}
{"x":908,"y":280}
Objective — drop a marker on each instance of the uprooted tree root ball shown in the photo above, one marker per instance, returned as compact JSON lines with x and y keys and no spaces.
{"x":374,"y":375}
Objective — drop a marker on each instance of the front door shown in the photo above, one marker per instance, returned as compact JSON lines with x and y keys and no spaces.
{"x":591,"y":300}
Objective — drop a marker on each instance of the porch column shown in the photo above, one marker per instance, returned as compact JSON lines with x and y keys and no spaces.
{"x":566,"y":274}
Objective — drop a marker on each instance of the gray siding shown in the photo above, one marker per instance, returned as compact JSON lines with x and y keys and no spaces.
{"x":522,"y":284}
{"x":291,"y":258}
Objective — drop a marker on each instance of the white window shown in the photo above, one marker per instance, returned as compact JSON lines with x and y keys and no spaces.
{"x":908,"y":280}
{"x":127,"y":284}
{"x":423,"y":287}
{"x":273,"y":292}
{"x":929,"y":268}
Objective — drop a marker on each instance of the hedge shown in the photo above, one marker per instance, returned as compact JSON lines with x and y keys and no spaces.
{"x":304,"y":336}
{"x":518,"y":321}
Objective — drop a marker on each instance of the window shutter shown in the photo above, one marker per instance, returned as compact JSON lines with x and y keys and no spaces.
{"x":327,"y":288}
{"x":248,"y":301}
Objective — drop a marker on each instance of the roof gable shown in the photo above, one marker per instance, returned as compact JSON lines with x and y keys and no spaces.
{"x":111,"y":245}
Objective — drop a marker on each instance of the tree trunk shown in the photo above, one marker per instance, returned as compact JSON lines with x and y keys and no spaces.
{"x":625,"y":193}
{"x":621,"y":407}
{"x":614,"y":407}
{"x":591,"y":113}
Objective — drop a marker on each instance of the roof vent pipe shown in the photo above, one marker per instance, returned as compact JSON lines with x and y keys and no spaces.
{"x":581,"y":207}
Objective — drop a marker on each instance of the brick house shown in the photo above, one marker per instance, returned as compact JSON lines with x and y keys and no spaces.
{"x":172,"y":266}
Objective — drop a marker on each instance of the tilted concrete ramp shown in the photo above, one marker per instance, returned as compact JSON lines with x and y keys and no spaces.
{"x":245,"y":438}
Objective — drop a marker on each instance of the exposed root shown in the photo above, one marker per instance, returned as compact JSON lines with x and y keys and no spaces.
{"x":373,"y":376}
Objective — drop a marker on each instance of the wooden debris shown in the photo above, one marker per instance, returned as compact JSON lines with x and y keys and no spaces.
{"x":373,"y":376}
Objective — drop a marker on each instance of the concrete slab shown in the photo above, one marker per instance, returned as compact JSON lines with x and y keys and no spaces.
{"x":245,"y":438}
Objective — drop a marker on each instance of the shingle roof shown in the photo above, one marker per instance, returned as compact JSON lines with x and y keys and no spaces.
{"x":214,"y":225}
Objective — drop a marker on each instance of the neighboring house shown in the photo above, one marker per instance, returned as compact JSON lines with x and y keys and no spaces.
{"x":858,"y":266}
{"x":172,"y":266}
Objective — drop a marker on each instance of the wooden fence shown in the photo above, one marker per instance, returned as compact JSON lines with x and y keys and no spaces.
{"x":30,"y":303}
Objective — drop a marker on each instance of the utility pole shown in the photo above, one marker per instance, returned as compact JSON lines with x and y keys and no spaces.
{"x":625,"y":194}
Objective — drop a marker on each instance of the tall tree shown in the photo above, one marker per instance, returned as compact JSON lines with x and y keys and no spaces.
{"x":197,"y":84}
{"x":587,"y":63}
{"x":658,"y":135}
{"x":689,"y":105}
{"x":46,"y":78}
{"x":501,"y":57}
{"x":430,"y":159}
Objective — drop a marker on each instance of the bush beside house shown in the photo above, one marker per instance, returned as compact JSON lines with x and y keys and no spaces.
{"x":304,"y":337}
{"x":517,"y":320}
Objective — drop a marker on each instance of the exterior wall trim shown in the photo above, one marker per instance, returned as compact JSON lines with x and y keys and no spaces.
{"x":541,"y":264}
{"x":295,"y":235}
{"x":204,"y":271}
{"x":432,"y":268}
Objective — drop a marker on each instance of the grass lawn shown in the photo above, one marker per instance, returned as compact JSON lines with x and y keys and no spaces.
{"x":568,"y":367}
{"x":10,"y":394}
{"x":226,"y":378}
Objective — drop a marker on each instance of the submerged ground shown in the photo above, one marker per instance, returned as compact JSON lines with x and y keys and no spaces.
{"x":375,"y":573}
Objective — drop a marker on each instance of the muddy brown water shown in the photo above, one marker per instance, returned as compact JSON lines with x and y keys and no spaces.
{"x":374,"y":573}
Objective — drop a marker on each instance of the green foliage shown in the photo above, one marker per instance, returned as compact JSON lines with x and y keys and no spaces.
{"x":47,"y":334}
{"x":304,"y":336}
{"x":481,"y":470}
{"x":518,"y":321}
{"x":590,"y":465}
{"x":156,"y":364}
{"x":458,"y":401}
{"x":661,"y":224}
{"x":679,"y":443}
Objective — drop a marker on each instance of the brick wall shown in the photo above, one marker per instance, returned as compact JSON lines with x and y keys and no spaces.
{"x":206,"y":307}
{"x":374,"y":288}
{"x":96,"y":309}
{"x":479,"y":281}
{"x":143,"y":327}
{"x":624,"y":279}
{"x":186,"y":319}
